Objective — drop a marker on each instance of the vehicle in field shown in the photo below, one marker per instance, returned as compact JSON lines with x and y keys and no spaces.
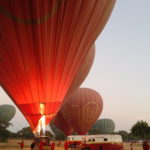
{"x":96,"y":142}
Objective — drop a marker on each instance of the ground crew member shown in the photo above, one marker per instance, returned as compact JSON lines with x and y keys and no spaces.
{"x":41,"y":145}
{"x":145,"y":145}
{"x":21,"y":145}
{"x":131,"y":144}
{"x":66,"y":145}
{"x":53,"y":146}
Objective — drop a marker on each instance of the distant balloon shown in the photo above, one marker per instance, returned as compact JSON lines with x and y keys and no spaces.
{"x":7,"y":112}
{"x":43,"y":43}
{"x":82,"y":109}
{"x":105,"y":126}
{"x":62,"y":124}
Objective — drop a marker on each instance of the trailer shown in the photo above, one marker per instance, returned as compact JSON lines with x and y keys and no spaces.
{"x":95,"y":142}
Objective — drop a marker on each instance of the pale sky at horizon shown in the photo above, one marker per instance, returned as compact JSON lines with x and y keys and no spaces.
{"x":121,"y":70}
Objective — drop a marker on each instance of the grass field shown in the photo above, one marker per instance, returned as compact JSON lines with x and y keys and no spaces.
{"x":13,"y":145}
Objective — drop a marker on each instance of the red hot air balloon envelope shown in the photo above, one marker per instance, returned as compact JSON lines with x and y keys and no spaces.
{"x":62,"y":124}
{"x":42,"y":45}
{"x":82,"y":72}
{"x":82,"y":109}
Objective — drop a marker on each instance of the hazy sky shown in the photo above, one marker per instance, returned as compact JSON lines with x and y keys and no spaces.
{"x":121,"y":70}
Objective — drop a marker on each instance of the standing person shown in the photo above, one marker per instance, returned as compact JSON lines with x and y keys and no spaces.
{"x":66,"y":145}
{"x":145,"y":145}
{"x":53,"y":146}
{"x":84,"y":144}
{"x":59,"y":143}
{"x":21,"y":144}
{"x":32,"y":146}
{"x":41,"y":145}
{"x":47,"y":141}
{"x":131,"y":145}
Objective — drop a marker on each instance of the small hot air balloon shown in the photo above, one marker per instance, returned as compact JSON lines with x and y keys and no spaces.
{"x":82,"y":109}
{"x":105,"y":126}
{"x":43,"y":43}
{"x":7,"y":112}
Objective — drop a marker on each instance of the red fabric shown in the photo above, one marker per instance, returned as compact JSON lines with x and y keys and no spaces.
{"x":82,"y":109}
{"x":62,"y":124}
{"x":42,"y":46}
{"x":84,"y":69}
{"x":82,"y":72}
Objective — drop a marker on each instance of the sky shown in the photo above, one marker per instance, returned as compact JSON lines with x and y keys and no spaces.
{"x":121,"y":69}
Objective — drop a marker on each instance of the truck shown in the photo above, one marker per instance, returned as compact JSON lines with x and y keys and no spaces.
{"x":95,"y":142}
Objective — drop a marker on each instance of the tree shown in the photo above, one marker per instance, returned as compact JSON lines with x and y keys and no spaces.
{"x":124,"y":135}
{"x":26,"y":133}
{"x":133,"y":137}
{"x":4,"y":133}
{"x":141,"y":129}
{"x":94,"y":131}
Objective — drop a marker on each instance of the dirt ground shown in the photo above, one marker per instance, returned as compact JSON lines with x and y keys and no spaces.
{"x":135,"y":146}
{"x":13,"y":145}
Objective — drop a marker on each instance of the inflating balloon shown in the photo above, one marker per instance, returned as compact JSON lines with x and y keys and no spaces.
{"x":43,"y":43}
{"x":82,"y":109}
{"x":7,"y":112}
{"x":105,"y":126}
{"x":62,"y":124}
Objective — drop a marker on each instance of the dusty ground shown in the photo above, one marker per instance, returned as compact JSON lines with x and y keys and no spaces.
{"x":13,"y":145}
{"x":135,"y":146}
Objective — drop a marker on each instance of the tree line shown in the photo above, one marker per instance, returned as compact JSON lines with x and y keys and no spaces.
{"x":139,"y":131}
{"x":26,"y":133}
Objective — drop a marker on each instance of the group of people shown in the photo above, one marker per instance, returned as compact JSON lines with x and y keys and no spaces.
{"x":39,"y":144}
{"x":45,"y":144}
{"x":76,"y":145}
{"x":42,"y":144}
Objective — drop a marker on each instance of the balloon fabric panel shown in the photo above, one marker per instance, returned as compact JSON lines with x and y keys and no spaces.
{"x":85,"y":67}
{"x":82,"y":72}
{"x":62,"y":124}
